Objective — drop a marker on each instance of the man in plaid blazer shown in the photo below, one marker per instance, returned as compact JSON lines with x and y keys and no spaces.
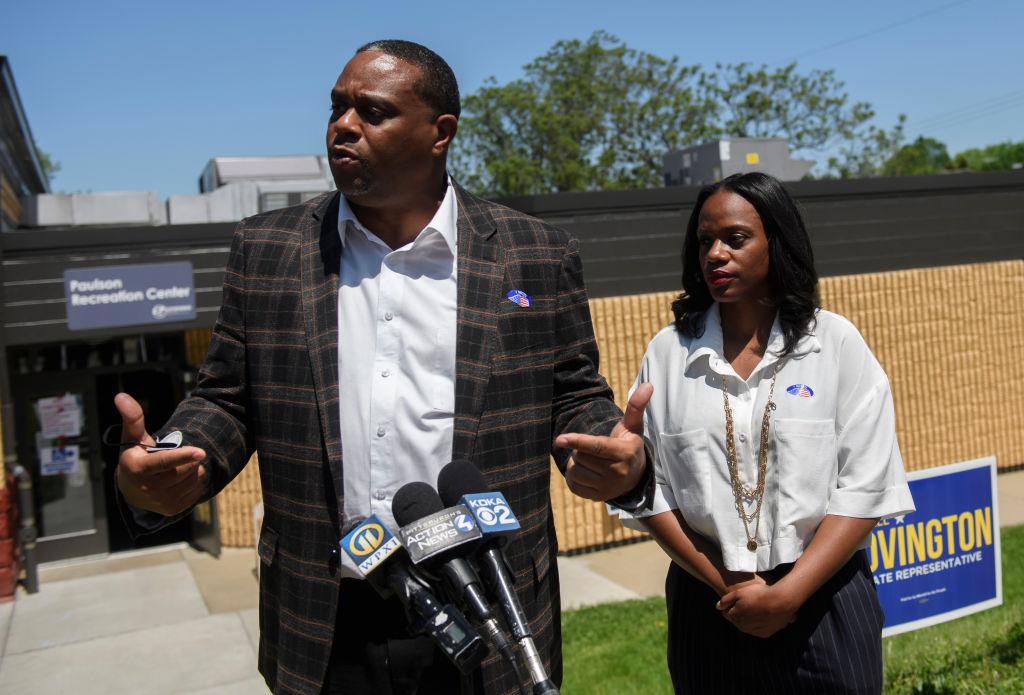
{"x":526,"y":382}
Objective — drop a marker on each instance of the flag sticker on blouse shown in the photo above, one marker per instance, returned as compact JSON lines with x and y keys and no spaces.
{"x":802,"y":390}
{"x":519,"y":297}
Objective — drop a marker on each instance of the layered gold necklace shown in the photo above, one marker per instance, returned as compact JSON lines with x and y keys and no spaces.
{"x":741,"y":492}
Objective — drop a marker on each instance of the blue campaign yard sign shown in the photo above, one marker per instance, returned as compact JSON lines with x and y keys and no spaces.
{"x":942,"y":561}
{"x":129,"y":295}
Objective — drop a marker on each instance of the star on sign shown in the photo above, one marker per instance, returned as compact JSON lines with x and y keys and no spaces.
{"x":899,"y":519}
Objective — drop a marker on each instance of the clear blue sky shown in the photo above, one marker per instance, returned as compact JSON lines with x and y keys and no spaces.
{"x":140,"y":95}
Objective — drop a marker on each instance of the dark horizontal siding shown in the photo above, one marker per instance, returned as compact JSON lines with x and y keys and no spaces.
{"x":630,"y":241}
{"x":34,"y":262}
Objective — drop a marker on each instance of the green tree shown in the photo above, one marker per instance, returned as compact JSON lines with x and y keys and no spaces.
{"x":1005,"y":155}
{"x":864,"y":155}
{"x":811,"y":110}
{"x":49,"y":165}
{"x":923,"y":156}
{"x":596,"y":114}
{"x":588,"y":115}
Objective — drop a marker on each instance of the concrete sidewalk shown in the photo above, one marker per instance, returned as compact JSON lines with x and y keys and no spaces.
{"x":173,"y":621}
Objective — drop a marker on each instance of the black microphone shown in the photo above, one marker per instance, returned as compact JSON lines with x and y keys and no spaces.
{"x":461,"y":482}
{"x":378,"y":555}
{"x":437,"y":538}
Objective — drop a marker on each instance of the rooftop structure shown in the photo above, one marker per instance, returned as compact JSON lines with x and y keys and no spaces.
{"x":713,"y":161}
{"x":230,"y":188}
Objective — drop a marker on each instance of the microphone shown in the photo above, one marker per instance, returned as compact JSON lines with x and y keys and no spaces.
{"x":430,"y":533}
{"x":461,"y":482}
{"x":436,"y":539}
{"x":376,"y":552}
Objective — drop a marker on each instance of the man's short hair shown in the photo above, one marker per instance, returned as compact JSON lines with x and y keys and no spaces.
{"x":438,"y":88}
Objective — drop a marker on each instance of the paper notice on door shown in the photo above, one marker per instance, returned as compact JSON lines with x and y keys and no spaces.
{"x":60,"y":416}
{"x":58,"y":460}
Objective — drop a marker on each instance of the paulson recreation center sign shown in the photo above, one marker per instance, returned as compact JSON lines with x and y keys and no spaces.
{"x":129,"y":295}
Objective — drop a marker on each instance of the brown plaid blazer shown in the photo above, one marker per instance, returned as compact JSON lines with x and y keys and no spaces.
{"x":270,"y":384}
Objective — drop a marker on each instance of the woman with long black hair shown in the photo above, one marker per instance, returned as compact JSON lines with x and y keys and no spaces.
{"x":773,"y":433}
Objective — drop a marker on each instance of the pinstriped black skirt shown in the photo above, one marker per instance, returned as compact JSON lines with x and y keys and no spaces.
{"x":835,"y":645}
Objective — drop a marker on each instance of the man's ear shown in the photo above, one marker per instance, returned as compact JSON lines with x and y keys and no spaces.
{"x":447,"y":125}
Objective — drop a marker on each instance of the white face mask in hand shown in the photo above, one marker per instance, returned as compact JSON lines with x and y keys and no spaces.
{"x":171,"y":440}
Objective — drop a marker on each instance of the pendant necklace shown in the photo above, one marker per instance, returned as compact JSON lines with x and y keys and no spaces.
{"x":741,"y":492}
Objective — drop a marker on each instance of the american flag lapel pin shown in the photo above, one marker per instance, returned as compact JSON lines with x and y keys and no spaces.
{"x":519,"y":297}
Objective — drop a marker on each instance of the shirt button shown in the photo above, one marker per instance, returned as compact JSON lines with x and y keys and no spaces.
{"x":388,"y":316}
{"x":381,"y":431}
{"x":380,"y":495}
{"x":385,"y":373}
{"x":743,"y":437}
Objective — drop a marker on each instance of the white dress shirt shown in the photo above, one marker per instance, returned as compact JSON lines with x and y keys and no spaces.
{"x":396,"y":360}
{"x":832,"y":440}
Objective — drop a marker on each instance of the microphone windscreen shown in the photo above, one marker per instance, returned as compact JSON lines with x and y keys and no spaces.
{"x":413,"y":501}
{"x":458,"y":478}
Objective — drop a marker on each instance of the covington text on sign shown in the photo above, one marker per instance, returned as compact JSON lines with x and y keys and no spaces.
{"x":945,"y":542}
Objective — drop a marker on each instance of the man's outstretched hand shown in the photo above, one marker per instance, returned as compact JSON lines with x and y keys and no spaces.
{"x":605,"y":467}
{"x":167,"y":482}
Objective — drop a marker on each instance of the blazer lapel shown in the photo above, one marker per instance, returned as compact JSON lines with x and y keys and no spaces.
{"x":480,"y":275}
{"x":320,"y":264}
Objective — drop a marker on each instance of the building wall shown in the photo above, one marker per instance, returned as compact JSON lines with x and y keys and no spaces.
{"x":631,"y":240}
{"x":32,"y":265}
{"x":945,"y":331}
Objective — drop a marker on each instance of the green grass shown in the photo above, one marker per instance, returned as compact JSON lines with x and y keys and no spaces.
{"x":616,"y":649}
{"x":620,"y":647}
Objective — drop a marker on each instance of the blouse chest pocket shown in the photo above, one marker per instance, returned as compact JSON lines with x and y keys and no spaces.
{"x":807,"y":465}
{"x":684,"y":464}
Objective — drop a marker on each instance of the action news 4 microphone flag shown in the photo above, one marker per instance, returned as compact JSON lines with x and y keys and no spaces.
{"x":942,"y":561}
{"x":435,"y":534}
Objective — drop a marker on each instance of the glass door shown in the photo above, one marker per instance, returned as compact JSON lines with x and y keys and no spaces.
{"x":59,"y":443}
